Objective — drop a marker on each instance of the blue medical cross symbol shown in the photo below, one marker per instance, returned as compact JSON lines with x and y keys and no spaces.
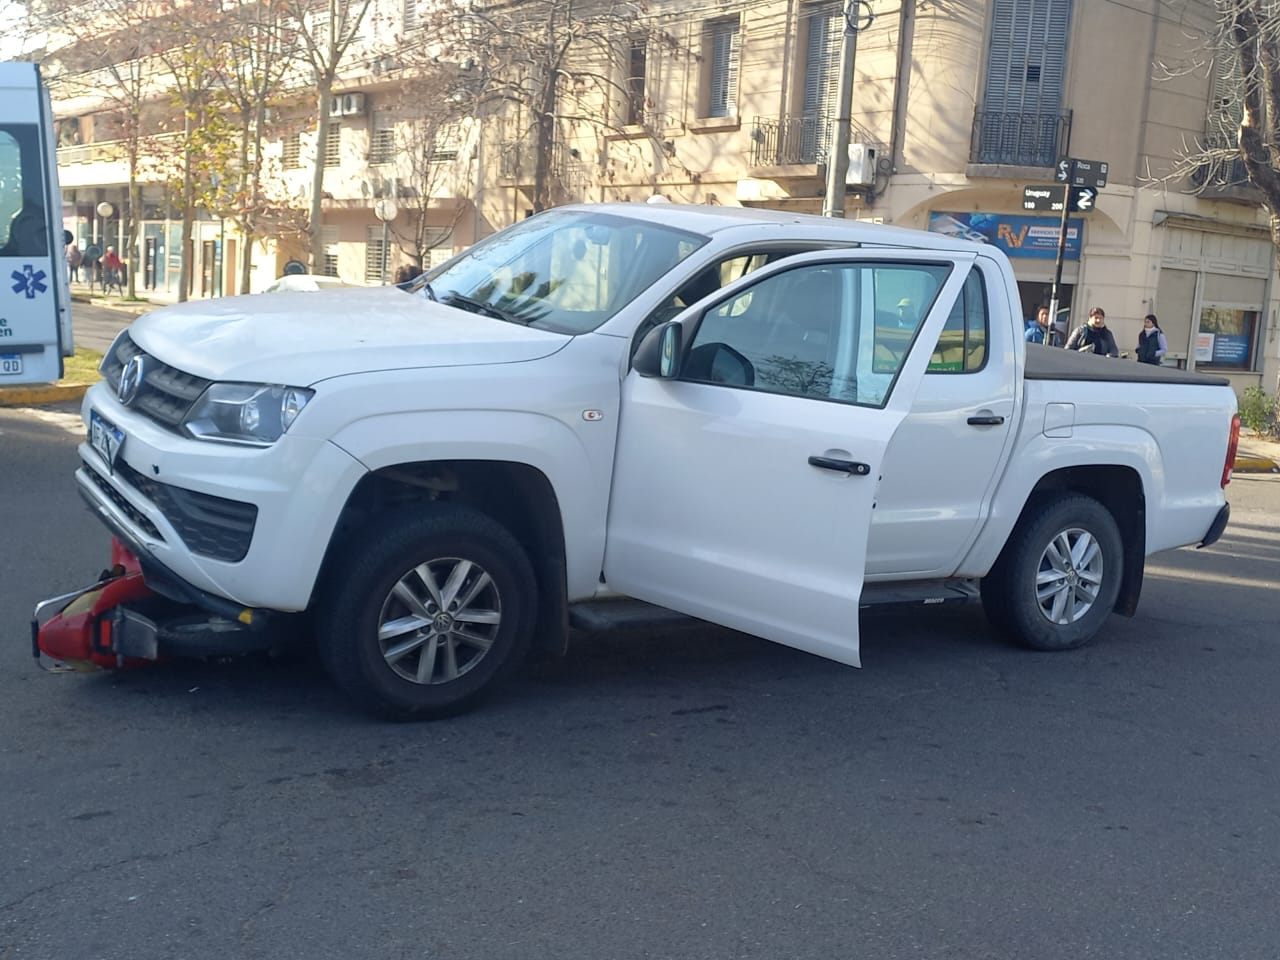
{"x":29,"y":280}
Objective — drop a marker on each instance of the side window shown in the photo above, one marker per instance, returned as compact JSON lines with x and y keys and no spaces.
{"x":820,"y":331}
{"x":962,"y":345}
{"x":24,"y":231}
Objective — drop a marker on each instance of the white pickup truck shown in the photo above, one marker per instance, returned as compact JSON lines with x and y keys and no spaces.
{"x":612,"y":412}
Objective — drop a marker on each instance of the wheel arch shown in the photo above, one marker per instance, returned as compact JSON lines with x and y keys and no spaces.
{"x":1119,"y":489}
{"x":516,"y":495}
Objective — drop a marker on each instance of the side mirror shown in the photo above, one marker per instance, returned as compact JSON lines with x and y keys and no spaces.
{"x":659,"y":352}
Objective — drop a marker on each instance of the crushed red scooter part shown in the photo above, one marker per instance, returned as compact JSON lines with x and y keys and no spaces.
{"x":80,"y":634}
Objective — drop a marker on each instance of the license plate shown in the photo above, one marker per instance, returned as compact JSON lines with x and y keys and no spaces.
{"x":10,"y":364}
{"x":105,"y":438}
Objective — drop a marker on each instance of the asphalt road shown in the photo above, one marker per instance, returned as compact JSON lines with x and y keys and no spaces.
{"x":679,"y":795}
{"x":95,"y":326}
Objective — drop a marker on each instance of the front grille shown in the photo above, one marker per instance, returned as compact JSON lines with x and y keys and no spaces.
{"x":209,"y":526}
{"x":137,"y":518}
{"x":166,"y":393}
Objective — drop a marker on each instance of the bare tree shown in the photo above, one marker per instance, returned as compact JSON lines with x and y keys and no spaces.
{"x":194,"y":44}
{"x":557,"y":66}
{"x":325,"y":31}
{"x":253,"y":75}
{"x":108,"y":57}
{"x":1250,"y":35}
{"x":425,"y":151}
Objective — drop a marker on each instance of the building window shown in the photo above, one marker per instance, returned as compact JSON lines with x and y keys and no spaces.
{"x":375,"y":252}
{"x":1021,"y":120}
{"x":291,"y":150}
{"x":329,"y":261}
{"x":1225,"y":339}
{"x":333,"y":145}
{"x":410,"y":13}
{"x":446,"y":141}
{"x":382,"y":139}
{"x":636,"y":68}
{"x":722,"y":52}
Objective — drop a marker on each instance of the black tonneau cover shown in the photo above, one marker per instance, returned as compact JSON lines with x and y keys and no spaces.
{"x":1056,"y":363}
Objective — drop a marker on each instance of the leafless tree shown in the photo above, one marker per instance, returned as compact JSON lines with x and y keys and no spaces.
{"x":324,"y":32}
{"x":551,"y":68}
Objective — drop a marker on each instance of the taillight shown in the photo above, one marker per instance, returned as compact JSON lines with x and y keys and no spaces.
{"x":1233,"y":443}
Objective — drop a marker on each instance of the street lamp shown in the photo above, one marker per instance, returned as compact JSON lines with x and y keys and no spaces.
{"x":105,"y":210}
{"x":385,"y":210}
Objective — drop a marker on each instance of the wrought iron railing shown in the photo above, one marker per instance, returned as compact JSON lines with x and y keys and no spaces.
{"x":1020,"y":139}
{"x":784,"y":140}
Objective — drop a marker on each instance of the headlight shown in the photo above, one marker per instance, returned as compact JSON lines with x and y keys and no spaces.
{"x":255,"y":413}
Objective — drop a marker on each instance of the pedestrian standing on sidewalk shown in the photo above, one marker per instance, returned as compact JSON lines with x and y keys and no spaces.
{"x":1093,"y":336}
{"x":111,"y":265}
{"x":1152,"y":345}
{"x":74,"y":258}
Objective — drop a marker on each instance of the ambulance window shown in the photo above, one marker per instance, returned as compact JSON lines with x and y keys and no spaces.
{"x":24,"y":231}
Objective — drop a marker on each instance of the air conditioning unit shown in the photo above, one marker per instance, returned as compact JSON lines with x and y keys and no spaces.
{"x":335,"y":106}
{"x":352,"y":104}
{"x":862,"y":165}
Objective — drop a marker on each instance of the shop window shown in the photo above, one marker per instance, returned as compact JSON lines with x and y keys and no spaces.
{"x":1226,"y":338}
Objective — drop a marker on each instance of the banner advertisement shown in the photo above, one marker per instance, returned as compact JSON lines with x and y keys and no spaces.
{"x":1017,"y":236}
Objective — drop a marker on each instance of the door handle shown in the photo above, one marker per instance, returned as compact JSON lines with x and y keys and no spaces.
{"x":842,"y":466}
{"x":987,"y":421}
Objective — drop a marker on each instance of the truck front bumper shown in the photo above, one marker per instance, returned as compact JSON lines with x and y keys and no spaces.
{"x":217,"y":525}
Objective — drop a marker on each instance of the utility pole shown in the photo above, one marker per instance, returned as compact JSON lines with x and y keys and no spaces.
{"x":855,"y":19}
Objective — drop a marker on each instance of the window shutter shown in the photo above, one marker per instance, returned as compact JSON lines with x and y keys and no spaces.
{"x":825,"y":29}
{"x":724,"y":69}
{"x":1226,"y":106}
{"x":1026,"y":60}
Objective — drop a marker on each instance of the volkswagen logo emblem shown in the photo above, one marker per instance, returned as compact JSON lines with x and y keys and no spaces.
{"x":131,"y":380}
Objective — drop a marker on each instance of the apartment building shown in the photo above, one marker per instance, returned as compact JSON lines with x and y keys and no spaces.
{"x":957,"y":108}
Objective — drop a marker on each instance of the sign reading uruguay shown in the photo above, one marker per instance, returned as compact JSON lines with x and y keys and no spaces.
{"x":1031,"y":237}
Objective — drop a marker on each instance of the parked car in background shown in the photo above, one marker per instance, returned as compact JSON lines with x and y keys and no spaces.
{"x":306,"y":281}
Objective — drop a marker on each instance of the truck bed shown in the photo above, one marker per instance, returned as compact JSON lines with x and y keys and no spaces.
{"x":1054,"y":363}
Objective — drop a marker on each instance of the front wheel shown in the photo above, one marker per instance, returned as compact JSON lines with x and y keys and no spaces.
{"x":425,"y":611}
{"x":1058,"y":577}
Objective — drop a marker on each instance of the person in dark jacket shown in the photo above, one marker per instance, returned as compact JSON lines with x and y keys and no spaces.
{"x":1152,"y":345}
{"x":1093,"y":336}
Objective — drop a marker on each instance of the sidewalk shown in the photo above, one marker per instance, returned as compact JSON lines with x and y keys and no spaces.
{"x":1257,"y":454}
{"x":147,"y":299}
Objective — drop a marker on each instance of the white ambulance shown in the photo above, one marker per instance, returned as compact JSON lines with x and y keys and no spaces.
{"x":35,"y":300}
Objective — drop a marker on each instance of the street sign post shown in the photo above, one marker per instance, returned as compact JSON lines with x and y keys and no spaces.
{"x":1083,"y":178}
{"x":1043,"y":197}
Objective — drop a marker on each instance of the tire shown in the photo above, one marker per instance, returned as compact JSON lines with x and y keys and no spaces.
{"x":1058,"y":577}
{"x":400,"y":572}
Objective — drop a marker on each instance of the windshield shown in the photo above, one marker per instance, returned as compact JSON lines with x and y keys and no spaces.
{"x":563,"y":270}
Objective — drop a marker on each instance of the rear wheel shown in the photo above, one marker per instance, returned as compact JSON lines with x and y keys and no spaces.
{"x":1058,"y":577}
{"x":426,"y":611}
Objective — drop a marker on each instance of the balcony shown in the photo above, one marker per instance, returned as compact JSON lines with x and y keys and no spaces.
{"x":788,"y":141}
{"x":798,"y":147}
{"x":1019,"y":139}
